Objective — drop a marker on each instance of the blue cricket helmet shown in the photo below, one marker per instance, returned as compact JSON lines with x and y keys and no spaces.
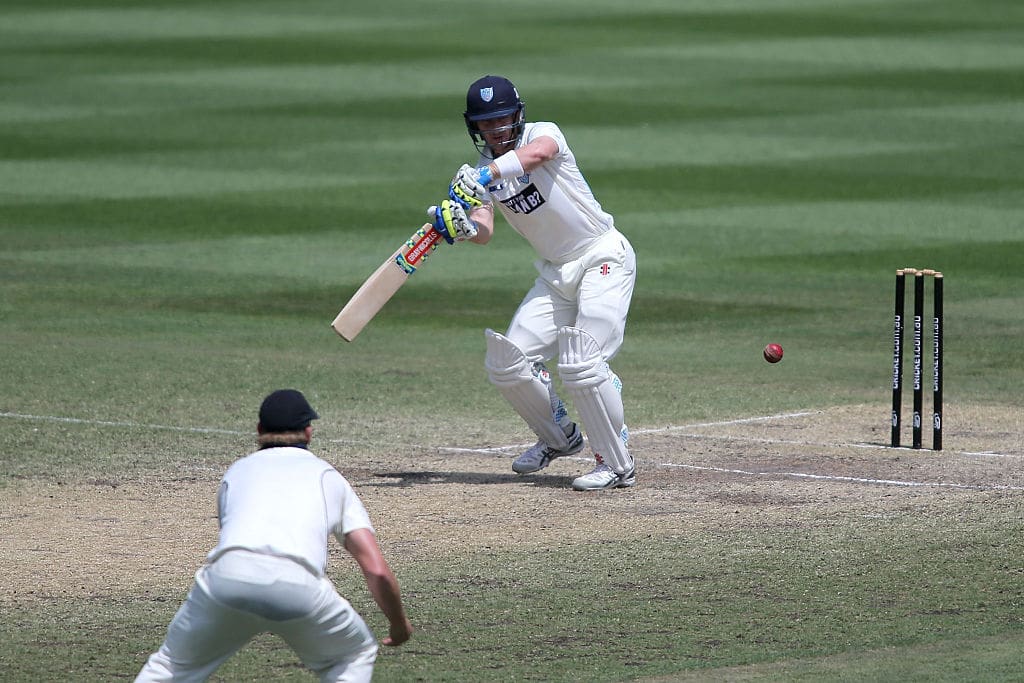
{"x":493,"y":97}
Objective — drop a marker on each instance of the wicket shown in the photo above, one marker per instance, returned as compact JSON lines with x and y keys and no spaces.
{"x":918,"y":357}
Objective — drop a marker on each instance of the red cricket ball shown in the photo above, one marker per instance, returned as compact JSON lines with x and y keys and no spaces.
{"x":773,"y":353}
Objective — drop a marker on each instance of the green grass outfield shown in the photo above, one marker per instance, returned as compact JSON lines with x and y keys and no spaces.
{"x":190,"y":191}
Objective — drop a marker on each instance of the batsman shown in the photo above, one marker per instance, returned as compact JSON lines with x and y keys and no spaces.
{"x":576,"y":309}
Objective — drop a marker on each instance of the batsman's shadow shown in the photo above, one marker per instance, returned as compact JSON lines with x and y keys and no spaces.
{"x":410,"y":478}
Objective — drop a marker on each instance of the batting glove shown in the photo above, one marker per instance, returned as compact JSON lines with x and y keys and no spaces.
{"x":466,"y":188}
{"x":451,"y":221}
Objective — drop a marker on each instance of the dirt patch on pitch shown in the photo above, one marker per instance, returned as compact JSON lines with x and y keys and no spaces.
{"x":111,"y":537}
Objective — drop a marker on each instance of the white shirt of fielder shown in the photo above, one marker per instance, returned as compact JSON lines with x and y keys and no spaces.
{"x":286,"y":502}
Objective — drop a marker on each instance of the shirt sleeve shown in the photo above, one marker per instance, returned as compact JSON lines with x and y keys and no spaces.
{"x":348,"y":512}
{"x":547,"y":129}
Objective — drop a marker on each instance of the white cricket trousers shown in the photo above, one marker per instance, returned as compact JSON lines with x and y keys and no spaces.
{"x":243,"y":594}
{"x":592,"y":292}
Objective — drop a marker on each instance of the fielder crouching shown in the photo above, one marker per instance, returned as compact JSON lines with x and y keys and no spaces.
{"x":277,"y":509}
{"x":576,"y":309}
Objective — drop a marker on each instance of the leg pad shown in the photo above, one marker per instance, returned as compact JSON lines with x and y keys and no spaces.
{"x":524,"y":388}
{"x":597,"y":394}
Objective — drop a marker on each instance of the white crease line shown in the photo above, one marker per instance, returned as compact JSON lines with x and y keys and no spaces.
{"x":144,"y":425}
{"x":499,"y":450}
{"x":496,"y":449}
{"x":657,"y":430}
{"x":833,"y":444}
{"x":726,"y":423}
{"x":503,"y":450}
{"x":857,"y":480}
{"x":990,"y":454}
{"x":107,"y":423}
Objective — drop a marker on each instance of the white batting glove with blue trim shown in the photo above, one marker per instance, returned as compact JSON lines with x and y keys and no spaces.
{"x":466,"y":188}
{"x":451,"y":221}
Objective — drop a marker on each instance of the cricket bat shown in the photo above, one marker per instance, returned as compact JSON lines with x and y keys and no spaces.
{"x":385,"y":281}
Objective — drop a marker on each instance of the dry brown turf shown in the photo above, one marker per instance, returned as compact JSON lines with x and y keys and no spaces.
{"x":104,"y":538}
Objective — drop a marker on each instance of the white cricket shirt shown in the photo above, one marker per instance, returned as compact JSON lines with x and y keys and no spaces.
{"x":286,"y":502}
{"x":552,"y":206}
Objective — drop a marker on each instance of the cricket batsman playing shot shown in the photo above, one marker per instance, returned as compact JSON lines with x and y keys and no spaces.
{"x":575,"y":311}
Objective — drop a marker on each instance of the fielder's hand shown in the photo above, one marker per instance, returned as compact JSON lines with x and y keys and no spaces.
{"x":466,"y":188}
{"x":398,"y":634}
{"x":451,"y":221}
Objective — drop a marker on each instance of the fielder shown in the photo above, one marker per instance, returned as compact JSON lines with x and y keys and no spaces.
{"x":277,"y":508}
{"x":576,"y":309}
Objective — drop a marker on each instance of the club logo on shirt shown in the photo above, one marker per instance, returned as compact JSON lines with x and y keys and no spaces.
{"x":527,"y":201}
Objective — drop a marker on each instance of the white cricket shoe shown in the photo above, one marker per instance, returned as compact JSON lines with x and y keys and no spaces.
{"x":540,"y":454}
{"x":604,"y":477}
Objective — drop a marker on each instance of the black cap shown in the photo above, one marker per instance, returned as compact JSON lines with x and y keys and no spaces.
{"x":491,"y":97}
{"x":286,"y":410}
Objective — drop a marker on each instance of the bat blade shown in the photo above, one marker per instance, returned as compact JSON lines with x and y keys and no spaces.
{"x":384,"y":282}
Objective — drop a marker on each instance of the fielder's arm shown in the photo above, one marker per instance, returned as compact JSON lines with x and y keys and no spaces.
{"x":361,"y":544}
